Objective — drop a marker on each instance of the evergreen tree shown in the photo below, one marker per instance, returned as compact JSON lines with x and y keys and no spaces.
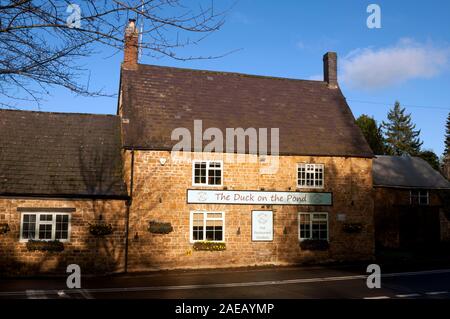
{"x":400,"y":134}
{"x":372,"y":132}
{"x":431,"y":158}
{"x":447,"y":138}
{"x":445,"y":159}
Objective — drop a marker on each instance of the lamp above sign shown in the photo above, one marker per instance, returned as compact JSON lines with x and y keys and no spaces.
{"x":197,"y":196}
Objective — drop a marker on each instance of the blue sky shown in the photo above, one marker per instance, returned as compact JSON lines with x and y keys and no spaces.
{"x":408,"y":59}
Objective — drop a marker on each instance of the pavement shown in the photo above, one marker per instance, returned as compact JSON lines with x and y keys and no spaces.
{"x":327,"y":282}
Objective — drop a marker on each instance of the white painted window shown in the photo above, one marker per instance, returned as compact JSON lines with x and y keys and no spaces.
{"x":313,"y":226}
{"x":207,"y":173}
{"x":45,"y":226}
{"x":310,"y":175}
{"x":419,"y":197}
{"x":207,"y":226}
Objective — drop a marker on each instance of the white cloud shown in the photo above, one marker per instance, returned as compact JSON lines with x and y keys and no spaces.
{"x":370,"y":68}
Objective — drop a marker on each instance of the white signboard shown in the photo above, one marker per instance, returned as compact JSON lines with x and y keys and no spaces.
{"x":262,"y":225}
{"x":195,"y":196}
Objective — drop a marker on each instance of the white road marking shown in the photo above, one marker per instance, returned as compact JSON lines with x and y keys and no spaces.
{"x":407,"y":295}
{"x":85,"y":294}
{"x":235,"y":284}
{"x":378,"y":297}
{"x":36,"y":294}
{"x":434,"y":293}
{"x":417,"y":273}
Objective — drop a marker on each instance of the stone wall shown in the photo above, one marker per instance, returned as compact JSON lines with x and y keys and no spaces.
{"x":389,"y":205}
{"x":159,"y":194}
{"x":93,"y":255}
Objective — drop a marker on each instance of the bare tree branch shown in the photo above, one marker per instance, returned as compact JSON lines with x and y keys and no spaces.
{"x":43,"y":41}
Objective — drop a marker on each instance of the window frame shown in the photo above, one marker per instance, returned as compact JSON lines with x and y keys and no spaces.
{"x":311,"y":214}
{"x":205,"y":219}
{"x":316,"y":165}
{"x":38,"y":222}
{"x":208,"y":162}
{"x":418,"y":196}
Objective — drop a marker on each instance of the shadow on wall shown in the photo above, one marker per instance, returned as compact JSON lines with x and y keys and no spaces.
{"x":352,"y":196}
{"x":98,"y":173}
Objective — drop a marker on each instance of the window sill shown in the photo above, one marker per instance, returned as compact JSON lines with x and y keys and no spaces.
{"x":65,"y":241}
{"x":207,"y":186}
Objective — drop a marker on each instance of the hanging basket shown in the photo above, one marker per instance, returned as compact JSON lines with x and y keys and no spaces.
{"x":100,"y":229}
{"x":4,"y":228}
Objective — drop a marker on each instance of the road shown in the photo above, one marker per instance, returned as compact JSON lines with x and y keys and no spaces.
{"x":273,"y":283}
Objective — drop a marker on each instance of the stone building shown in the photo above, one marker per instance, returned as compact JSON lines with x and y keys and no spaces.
{"x":411,"y":203}
{"x":322,"y":157}
{"x":269,"y":171}
{"x":60,"y":172}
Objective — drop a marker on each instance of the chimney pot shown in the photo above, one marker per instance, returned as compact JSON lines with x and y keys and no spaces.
{"x":130,"y":59}
{"x":330,"y":69}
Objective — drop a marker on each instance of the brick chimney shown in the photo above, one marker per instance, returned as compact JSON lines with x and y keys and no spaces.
{"x":130,"y":59}
{"x":330,"y":69}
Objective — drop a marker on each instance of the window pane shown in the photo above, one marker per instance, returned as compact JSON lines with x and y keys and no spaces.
{"x":29,"y":226}
{"x":197,"y":226}
{"x":214,"y":215}
{"x":62,"y":227}
{"x":45,"y":231}
{"x":214,"y":228}
{"x":319,"y":230}
{"x":200,"y":173}
{"x":197,"y":233}
{"x":214,"y":173}
{"x":315,"y":231}
{"x":209,"y":224}
{"x":320,"y":216}
{"x":45,"y":217}
{"x":214,"y":232}
{"x":305,"y":226}
{"x":310,"y":175}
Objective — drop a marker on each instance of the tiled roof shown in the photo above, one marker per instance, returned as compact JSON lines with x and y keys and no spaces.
{"x":407,"y":172}
{"x":312,"y":118}
{"x":60,"y":154}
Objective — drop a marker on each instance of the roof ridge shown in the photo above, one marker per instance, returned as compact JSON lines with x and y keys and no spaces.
{"x":59,"y":113}
{"x":268,"y":77}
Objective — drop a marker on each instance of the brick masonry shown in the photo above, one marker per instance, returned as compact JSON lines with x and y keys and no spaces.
{"x":104,"y":255}
{"x":388,"y":205}
{"x":159,"y":193}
